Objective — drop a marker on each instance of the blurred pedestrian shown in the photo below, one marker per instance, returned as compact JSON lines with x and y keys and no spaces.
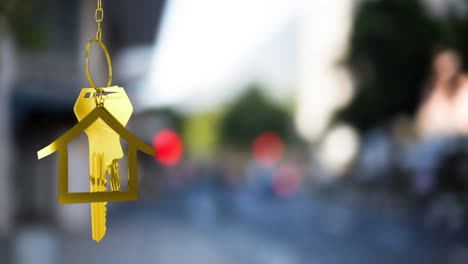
{"x":436,"y":115}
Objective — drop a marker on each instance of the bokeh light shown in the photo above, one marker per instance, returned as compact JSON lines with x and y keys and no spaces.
{"x":339,"y":148}
{"x":168,"y":146}
{"x":267,"y":148}
{"x":287,"y":181}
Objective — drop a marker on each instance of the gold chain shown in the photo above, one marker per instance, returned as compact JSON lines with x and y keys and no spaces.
{"x":99,"y":17}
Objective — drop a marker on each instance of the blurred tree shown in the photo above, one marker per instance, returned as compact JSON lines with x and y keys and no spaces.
{"x":251,"y":115}
{"x":201,"y":134}
{"x":6,"y":6}
{"x":22,"y":19}
{"x":390,"y":54}
{"x":454,"y":34}
{"x":174,"y":118}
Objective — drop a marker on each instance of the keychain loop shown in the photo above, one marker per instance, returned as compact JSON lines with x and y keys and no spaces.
{"x":109,"y":63}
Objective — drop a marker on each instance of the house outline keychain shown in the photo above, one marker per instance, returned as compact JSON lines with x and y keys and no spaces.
{"x":94,"y":109}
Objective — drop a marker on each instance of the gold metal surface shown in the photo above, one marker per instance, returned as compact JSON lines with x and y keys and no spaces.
{"x":102,"y":114}
{"x":109,"y":62}
{"x":102,"y":138}
{"x":98,"y":183}
{"x":99,"y":17}
{"x":104,"y":145}
{"x":60,"y":146}
{"x":114,"y":175}
{"x":98,"y":195}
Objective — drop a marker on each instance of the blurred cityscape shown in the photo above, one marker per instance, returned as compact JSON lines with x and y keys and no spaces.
{"x":286,"y":131}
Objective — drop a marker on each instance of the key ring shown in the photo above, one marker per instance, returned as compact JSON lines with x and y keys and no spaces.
{"x":109,"y":63}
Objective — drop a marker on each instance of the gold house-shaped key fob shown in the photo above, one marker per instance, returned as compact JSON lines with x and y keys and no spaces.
{"x":97,"y":116}
{"x":102,"y":114}
{"x":100,"y":109}
{"x":104,"y":132}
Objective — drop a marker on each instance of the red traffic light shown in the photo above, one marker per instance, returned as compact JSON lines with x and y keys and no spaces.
{"x":168,"y":146}
{"x":267,"y":148}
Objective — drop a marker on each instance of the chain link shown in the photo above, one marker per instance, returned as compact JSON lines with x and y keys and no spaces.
{"x":99,"y":17}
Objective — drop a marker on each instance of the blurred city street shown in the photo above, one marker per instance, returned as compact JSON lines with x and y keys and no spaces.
{"x":299,"y":230}
{"x":284,"y":131}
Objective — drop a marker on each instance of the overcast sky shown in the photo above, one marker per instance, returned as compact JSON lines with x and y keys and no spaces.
{"x":208,"y":50}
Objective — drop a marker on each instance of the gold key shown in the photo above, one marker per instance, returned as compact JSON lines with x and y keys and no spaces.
{"x":104,"y":146}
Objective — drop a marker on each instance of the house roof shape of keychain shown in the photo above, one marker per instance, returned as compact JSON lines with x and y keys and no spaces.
{"x":60,"y":146}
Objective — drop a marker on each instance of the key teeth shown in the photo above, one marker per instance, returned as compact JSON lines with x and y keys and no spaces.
{"x":114,"y":175}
